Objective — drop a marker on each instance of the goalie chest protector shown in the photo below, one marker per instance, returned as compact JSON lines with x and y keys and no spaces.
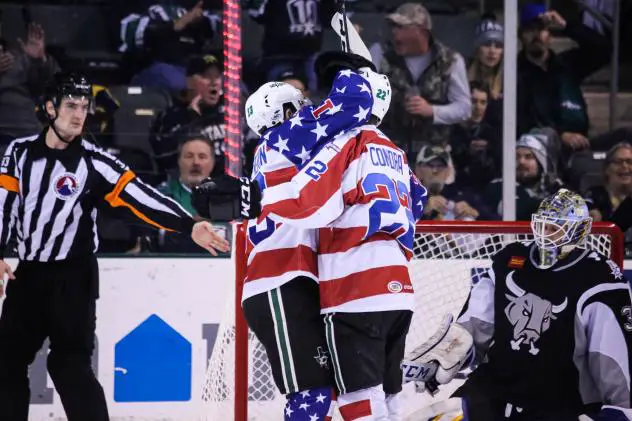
{"x":531,"y":359}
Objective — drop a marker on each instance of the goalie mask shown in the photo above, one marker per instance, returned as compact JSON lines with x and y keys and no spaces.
{"x":267,"y":107}
{"x":560,"y":224}
{"x":381,"y":90}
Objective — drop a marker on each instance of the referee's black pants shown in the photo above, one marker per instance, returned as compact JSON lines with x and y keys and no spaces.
{"x":55,"y":300}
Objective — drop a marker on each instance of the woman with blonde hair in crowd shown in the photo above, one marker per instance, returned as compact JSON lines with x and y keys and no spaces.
{"x":486,"y":65}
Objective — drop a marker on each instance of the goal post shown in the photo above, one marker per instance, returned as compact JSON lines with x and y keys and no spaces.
{"x":449,"y":256}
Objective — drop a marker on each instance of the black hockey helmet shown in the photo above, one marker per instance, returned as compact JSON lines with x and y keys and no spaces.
{"x":329,"y":63}
{"x":68,"y":84}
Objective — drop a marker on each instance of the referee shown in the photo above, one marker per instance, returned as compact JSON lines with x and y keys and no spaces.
{"x":51,"y":187}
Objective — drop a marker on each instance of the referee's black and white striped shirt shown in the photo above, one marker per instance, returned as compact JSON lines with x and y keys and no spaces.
{"x":49,"y":198}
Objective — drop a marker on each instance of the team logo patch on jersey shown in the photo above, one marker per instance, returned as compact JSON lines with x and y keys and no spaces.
{"x":66,"y":186}
{"x":530,"y":315}
{"x":395,"y":287}
{"x":516,"y":262}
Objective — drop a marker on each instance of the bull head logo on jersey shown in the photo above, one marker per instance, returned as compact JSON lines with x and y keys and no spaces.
{"x":529,"y":315}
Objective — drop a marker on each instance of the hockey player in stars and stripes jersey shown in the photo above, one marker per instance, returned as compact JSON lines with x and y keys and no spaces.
{"x":359,"y":190}
{"x":280,"y":295}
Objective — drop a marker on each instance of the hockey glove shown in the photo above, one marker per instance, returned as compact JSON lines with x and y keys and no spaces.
{"x":224,"y":198}
{"x":440,"y":358}
{"x":329,"y":63}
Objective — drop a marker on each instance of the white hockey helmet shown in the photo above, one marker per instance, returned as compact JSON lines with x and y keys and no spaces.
{"x":381,"y":89}
{"x":265,"y":108}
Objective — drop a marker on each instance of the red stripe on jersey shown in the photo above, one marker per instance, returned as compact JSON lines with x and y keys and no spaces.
{"x":355,"y":410}
{"x":316,"y":192}
{"x":338,"y":240}
{"x":351,"y":197}
{"x":368,"y":283}
{"x":279,"y":176}
{"x":270,"y":263}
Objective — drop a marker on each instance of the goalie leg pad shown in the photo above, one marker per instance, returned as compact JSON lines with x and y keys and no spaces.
{"x":365,"y":404}
{"x":308,"y":404}
{"x":395,"y":406}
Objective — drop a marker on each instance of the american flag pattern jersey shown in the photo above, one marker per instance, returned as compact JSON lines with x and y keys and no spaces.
{"x":360,"y":189}
{"x":309,"y":405}
{"x":277,"y":252}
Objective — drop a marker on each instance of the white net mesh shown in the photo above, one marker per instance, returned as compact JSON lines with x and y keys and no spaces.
{"x":443,"y":269}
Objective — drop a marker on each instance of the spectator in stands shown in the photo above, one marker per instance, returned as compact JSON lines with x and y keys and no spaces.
{"x":162,"y":37}
{"x":476,"y":146}
{"x":429,"y":80}
{"x":200,"y":109}
{"x":535,"y":177}
{"x":486,"y":66}
{"x":549,"y":91}
{"x":292,"y":35}
{"x":24,"y":72}
{"x":196,"y":159}
{"x":603,"y":200}
{"x":296,"y":79}
{"x":446,"y":201}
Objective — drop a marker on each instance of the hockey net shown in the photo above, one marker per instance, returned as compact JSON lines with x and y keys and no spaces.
{"x":449,"y":257}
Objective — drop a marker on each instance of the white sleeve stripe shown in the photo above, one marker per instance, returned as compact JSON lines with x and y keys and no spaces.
{"x":350,"y":183}
{"x":156,"y":195}
{"x":107,"y":172}
{"x":142,"y":197}
{"x":596,"y":290}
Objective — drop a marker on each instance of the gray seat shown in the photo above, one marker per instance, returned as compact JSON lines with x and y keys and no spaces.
{"x":138,"y":109}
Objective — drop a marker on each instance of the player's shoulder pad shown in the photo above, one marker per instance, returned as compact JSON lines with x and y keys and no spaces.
{"x":604,"y":269}
{"x":515,"y":253}
{"x":603,"y":282}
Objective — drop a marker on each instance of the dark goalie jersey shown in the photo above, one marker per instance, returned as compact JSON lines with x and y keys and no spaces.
{"x":560,"y":336}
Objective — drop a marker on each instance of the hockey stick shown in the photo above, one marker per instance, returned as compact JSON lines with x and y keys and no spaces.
{"x":349,"y":37}
{"x":341,"y":18}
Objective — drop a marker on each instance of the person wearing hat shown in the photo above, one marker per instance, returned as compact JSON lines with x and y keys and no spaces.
{"x":446,"y":201}
{"x":200,"y":107}
{"x":485,"y":67}
{"x":549,"y":84}
{"x":429,"y":81}
{"x":535,"y":177}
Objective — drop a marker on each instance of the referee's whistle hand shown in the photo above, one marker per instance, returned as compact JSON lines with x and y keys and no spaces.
{"x":205,"y":236}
